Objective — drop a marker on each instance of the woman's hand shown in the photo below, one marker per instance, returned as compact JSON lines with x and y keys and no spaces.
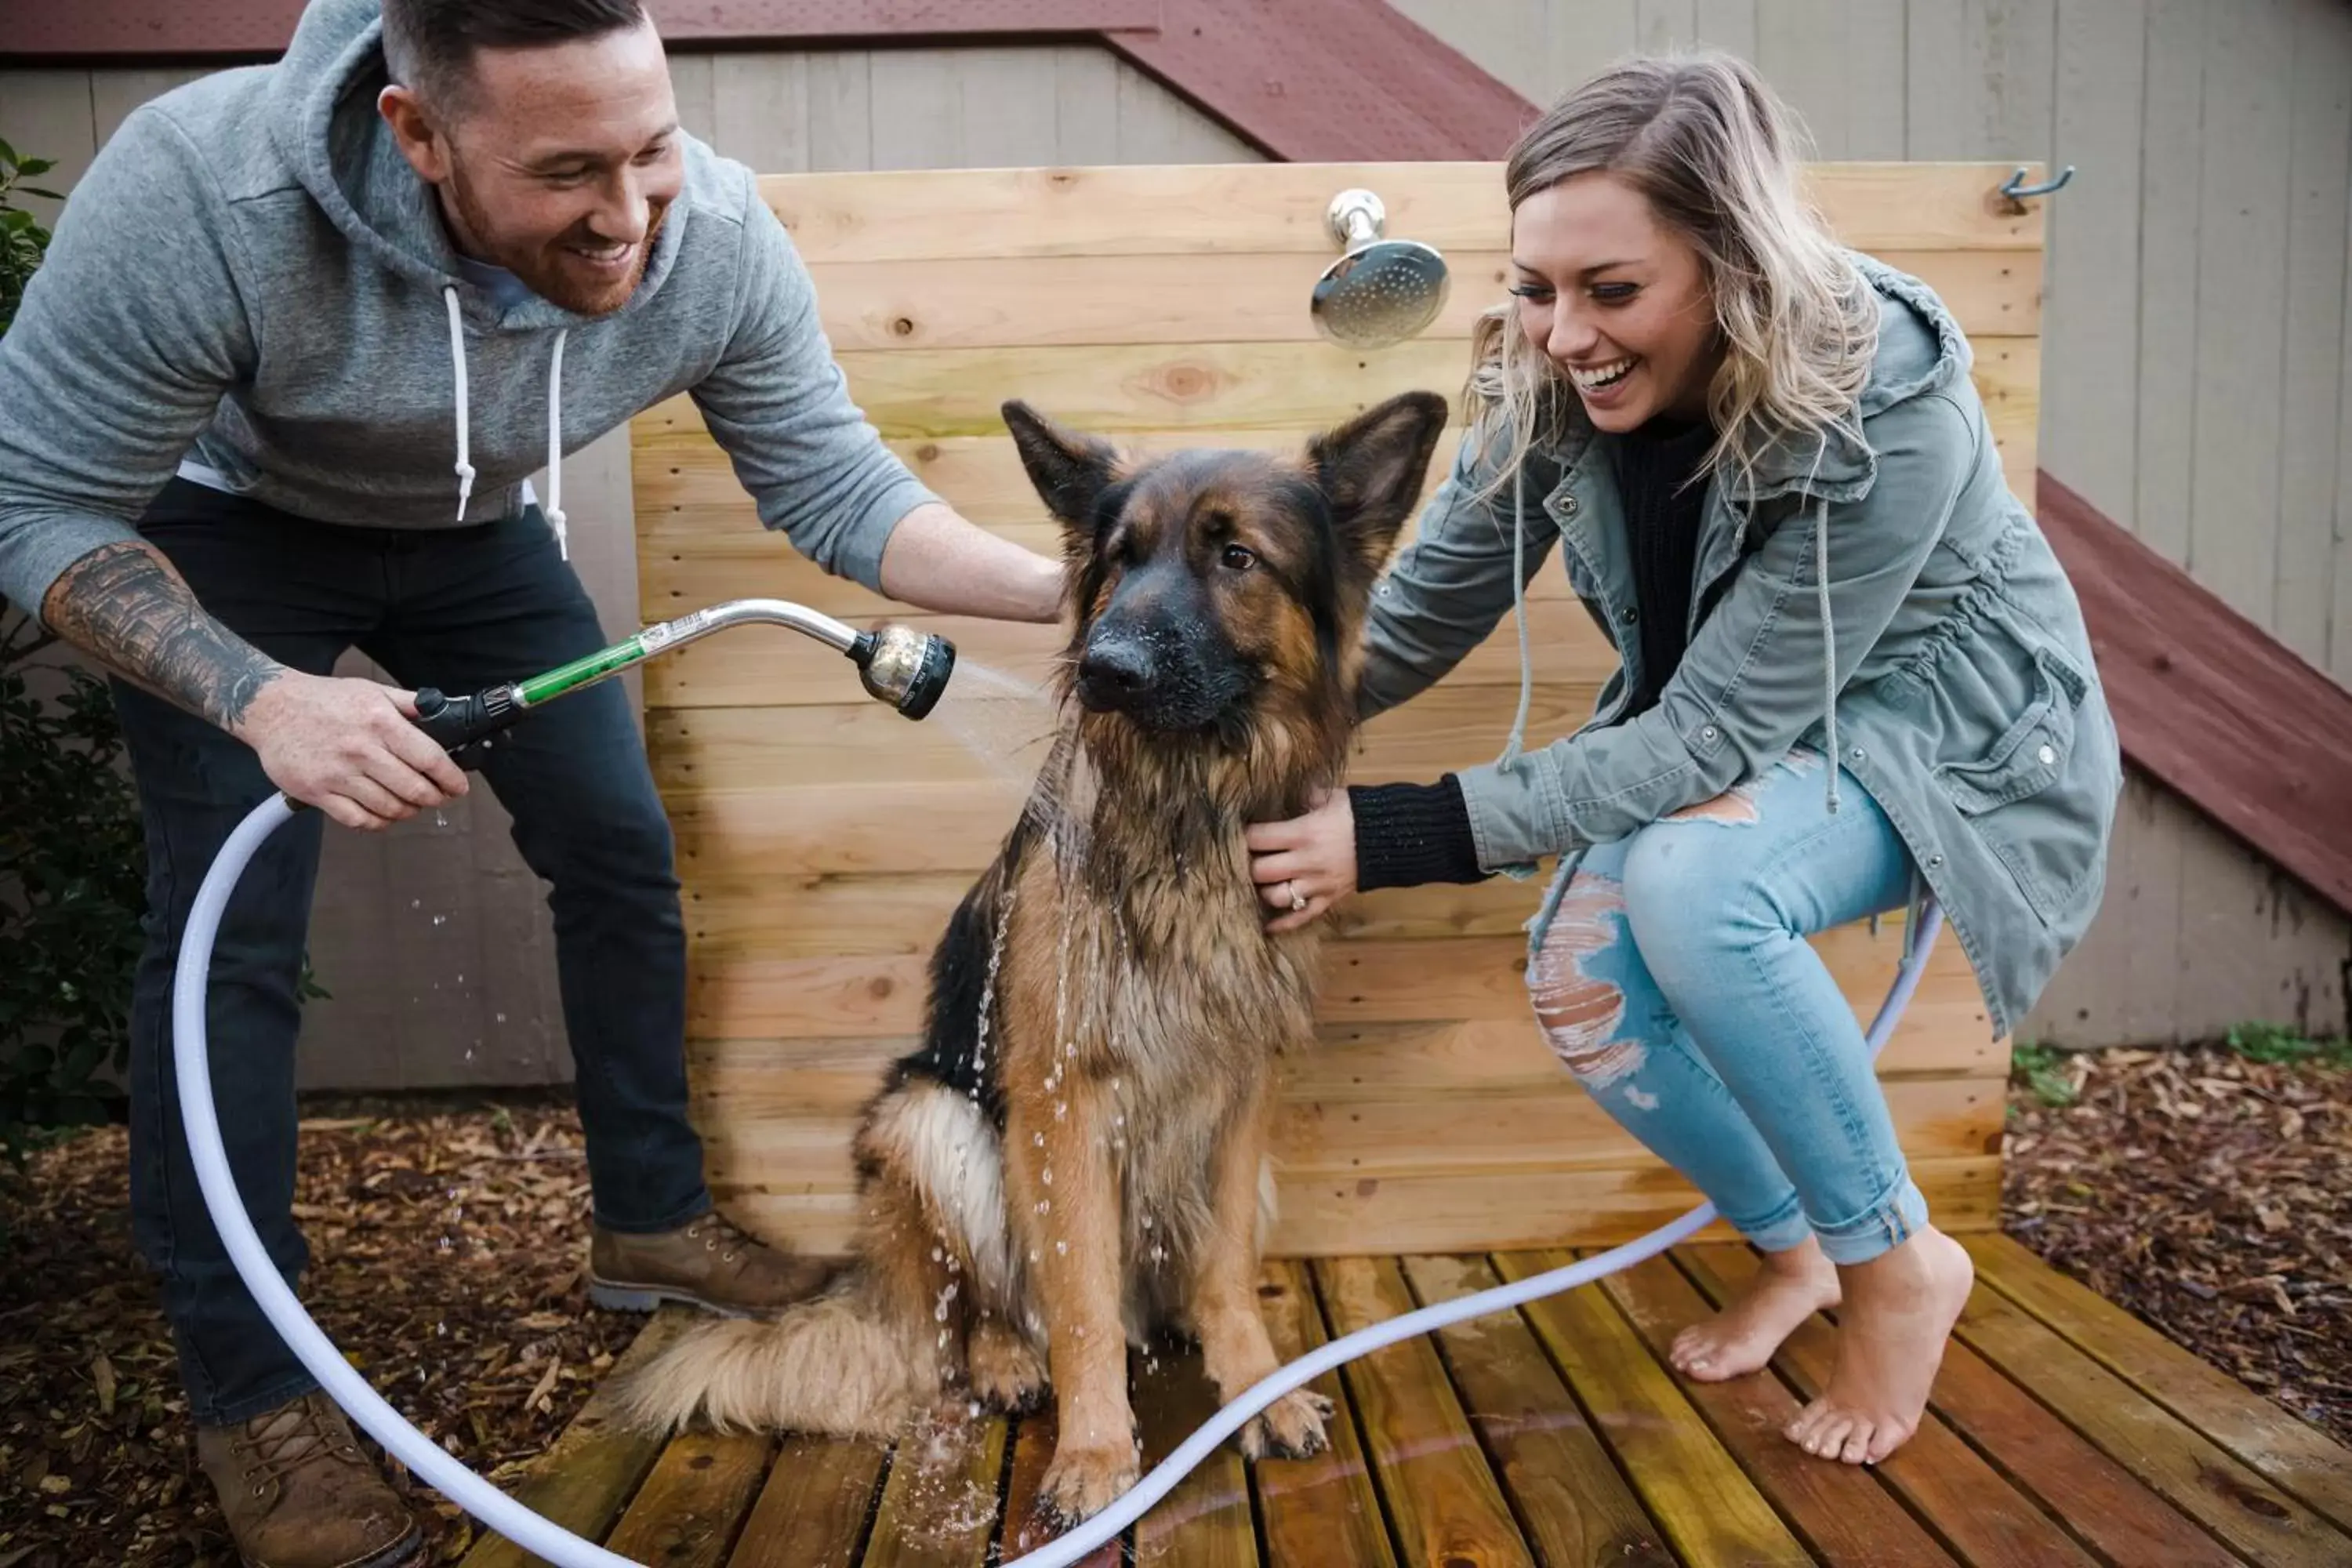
{"x":1304,"y":865}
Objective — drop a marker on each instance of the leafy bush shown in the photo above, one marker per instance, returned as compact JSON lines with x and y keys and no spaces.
{"x":71,"y":859}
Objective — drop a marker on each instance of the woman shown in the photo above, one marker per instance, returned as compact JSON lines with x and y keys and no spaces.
{"x":1850,"y":666}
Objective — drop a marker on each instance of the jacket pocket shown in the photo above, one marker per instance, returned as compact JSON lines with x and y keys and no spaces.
{"x":2033,"y":798}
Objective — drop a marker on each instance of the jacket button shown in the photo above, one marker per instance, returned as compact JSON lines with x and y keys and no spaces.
{"x":1629,"y":615}
{"x":1706,"y":731}
{"x":1855,"y":754}
{"x":1568,"y":506}
{"x":2047,"y":755}
{"x":1935,"y":859}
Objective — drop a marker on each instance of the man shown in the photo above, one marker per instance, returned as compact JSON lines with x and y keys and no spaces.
{"x":302,"y":334}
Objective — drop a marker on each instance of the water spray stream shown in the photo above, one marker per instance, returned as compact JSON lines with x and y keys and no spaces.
{"x":906,"y":670}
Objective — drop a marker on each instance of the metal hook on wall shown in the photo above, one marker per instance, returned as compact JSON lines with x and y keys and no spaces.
{"x":2016,"y":190}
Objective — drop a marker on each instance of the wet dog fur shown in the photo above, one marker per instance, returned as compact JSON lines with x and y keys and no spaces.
{"x":1077,"y":1155}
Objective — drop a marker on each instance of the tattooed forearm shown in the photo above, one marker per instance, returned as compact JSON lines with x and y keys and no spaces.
{"x":124,"y":604}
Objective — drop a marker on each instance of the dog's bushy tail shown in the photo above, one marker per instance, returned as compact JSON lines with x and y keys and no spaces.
{"x":835,"y":1366}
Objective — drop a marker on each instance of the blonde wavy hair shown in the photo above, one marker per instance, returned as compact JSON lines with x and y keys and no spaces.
{"x":1715,"y":155}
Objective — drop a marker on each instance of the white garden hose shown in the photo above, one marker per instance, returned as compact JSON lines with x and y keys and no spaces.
{"x":558,"y":1545}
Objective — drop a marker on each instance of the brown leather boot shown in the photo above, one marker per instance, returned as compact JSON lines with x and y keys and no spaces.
{"x":300,"y":1494}
{"x":710,"y":1263}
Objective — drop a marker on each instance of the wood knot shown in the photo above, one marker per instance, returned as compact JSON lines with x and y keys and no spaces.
{"x":902,"y":326}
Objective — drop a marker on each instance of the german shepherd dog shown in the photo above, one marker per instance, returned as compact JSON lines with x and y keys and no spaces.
{"x":1077,"y":1155}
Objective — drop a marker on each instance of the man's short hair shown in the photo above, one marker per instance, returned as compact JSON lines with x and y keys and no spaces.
{"x":429,"y":45}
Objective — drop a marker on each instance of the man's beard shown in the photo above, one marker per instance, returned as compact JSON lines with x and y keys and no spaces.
{"x":541,"y":268}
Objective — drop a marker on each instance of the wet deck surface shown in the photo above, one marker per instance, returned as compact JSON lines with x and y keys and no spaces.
{"x":2063,"y":1432}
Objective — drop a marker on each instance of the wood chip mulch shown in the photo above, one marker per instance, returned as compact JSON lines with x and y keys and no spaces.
{"x":447,"y":1257}
{"x":2210,"y":1194}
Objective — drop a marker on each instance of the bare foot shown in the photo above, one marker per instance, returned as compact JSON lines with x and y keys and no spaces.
{"x":1791,"y":1286}
{"x":1900,"y":1308}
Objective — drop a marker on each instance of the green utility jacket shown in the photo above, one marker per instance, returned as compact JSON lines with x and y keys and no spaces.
{"x":1967,"y":700}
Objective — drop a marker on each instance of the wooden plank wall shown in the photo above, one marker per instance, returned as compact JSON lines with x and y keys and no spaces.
{"x":2209,"y":214}
{"x":825,"y":841}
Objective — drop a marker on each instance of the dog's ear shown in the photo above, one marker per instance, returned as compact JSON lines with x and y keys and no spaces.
{"x":1071,"y":470}
{"x":1371,"y":471}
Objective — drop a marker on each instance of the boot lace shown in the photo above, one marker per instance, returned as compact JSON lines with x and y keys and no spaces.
{"x":722,"y":1235}
{"x":283,"y":1442}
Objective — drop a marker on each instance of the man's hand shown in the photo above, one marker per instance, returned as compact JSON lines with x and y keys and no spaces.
{"x":349,"y":748}
{"x":938,"y":561}
{"x":344,"y":746}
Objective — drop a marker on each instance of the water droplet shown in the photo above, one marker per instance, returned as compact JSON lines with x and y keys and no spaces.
{"x":1038,"y":1139}
{"x":440,"y":919}
{"x":499,"y":1017}
{"x":1120,"y":1119}
{"x":1063,"y":1247}
{"x":1049,"y":1176}
{"x":1044,"y":1205}
{"x":937,"y":1254}
{"x":1061,"y":1109}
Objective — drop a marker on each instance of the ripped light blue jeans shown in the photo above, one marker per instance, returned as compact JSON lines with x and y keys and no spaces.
{"x":1674,"y":980}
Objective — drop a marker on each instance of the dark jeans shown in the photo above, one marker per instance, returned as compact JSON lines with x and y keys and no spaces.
{"x":460,"y":610}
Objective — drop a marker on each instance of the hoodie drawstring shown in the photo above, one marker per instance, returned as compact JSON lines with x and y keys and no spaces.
{"x":464,"y":468}
{"x":555,"y":447}
{"x":458,"y":360}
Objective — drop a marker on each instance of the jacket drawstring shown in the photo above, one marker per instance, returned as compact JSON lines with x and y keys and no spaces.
{"x":555,"y":447}
{"x":1829,"y":641}
{"x":1513,"y":746}
{"x":457,"y":361}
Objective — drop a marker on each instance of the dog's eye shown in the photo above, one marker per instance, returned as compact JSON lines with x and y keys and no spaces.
{"x":1240,"y":557}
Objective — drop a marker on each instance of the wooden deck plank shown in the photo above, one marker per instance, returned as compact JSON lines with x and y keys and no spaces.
{"x":1025,"y":1529}
{"x":1571,"y":1503}
{"x":2096,"y":1499}
{"x":686,"y":1514}
{"x":1207,"y":1522}
{"x":1442,"y":1497}
{"x":939,"y":1504}
{"x":1702,"y":1499}
{"x":2254,"y":1518}
{"x":1322,"y":1509}
{"x":1969,"y":1506}
{"x":1843,"y":1514}
{"x":588,"y":1473}
{"x":2292,"y":1455}
{"x":813,"y":1512}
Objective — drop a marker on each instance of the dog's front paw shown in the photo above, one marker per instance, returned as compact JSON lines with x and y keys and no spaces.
{"x":1290,"y":1428}
{"x":1006,"y":1374}
{"x":1082,"y":1482}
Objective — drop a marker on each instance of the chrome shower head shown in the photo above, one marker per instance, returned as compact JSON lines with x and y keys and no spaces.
{"x":1381,"y":291}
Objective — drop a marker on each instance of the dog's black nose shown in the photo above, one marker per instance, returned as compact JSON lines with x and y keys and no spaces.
{"x":1115,"y":671}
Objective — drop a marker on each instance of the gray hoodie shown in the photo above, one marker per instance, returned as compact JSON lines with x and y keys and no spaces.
{"x":252,"y":286}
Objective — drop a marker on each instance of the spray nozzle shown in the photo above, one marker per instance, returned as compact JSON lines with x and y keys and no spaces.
{"x":902,"y":666}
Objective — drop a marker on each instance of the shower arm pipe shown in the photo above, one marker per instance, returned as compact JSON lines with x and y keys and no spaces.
{"x":550,"y":1541}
